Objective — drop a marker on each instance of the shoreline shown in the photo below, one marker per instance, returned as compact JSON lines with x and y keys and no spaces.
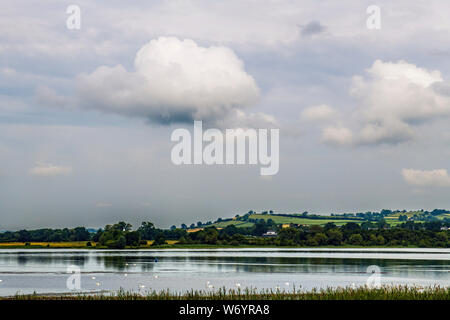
{"x":338,"y":293}
{"x":199,"y":247}
{"x":205,"y":246}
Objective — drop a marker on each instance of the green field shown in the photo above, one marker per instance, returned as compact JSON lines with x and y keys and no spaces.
{"x":292,"y":219}
{"x":240,"y":224}
{"x":391,"y":219}
{"x":300,"y":220}
{"x":408,"y":214}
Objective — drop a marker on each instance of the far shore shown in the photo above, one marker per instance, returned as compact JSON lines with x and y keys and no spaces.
{"x":174,"y":245}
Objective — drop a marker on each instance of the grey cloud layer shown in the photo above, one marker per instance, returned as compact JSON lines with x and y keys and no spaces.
{"x":74,"y":149}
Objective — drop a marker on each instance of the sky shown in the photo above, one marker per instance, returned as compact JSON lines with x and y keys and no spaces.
{"x":88,"y":106}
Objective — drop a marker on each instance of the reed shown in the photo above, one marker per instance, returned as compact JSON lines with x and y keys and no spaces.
{"x":340,"y":293}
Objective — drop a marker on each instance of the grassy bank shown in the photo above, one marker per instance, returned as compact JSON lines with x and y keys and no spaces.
{"x":173,"y":245}
{"x":361,"y":293}
{"x":68,"y":245}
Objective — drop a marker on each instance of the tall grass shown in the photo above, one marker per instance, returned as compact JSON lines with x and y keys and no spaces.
{"x":347,"y":293}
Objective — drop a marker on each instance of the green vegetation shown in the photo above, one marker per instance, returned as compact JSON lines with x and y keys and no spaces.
{"x":360,"y":293}
{"x":298,"y":220}
{"x":385,"y":228}
{"x":392,"y":218}
{"x":427,"y":234}
{"x":239,"y":224}
{"x":48,"y":235}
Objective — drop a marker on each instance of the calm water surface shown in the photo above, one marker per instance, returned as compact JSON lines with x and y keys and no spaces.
{"x":45,"y":271}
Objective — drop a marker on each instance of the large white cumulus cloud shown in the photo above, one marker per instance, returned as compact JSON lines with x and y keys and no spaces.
{"x":173,"y":81}
{"x":436,"y":178}
{"x":393,"y":99}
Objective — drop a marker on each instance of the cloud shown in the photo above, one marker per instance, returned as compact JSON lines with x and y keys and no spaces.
{"x":337,"y":136}
{"x":318,"y":113}
{"x":173,"y":81}
{"x":393,"y":99}
{"x":50,"y":170}
{"x":44,"y":95}
{"x":422,"y":178}
{"x":103,"y":205}
{"x":312,"y":28}
{"x":240,"y":119}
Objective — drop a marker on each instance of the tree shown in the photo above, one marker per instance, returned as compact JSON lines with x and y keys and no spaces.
{"x":259,"y":228}
{"x":311,"y":241}
{"x":211,"y":235}
{"x":123,"y":226}
{"x":356,"y":239}
{"x":288,"y":236}
{"x":320,"y":238}
{"x":97,"y":235}
{"x":380,"y":240}
{"x":351,"y":227}
{"x":329,"y":225}
{"x":147,"y":230}
{"x":120,"y":243}
{"x":132,"y":238}
{"x":315,"y":229}
{"x":230,"y":230}
{"x":237,"y":239}
{"x":80,"y":234}
{"x":159,"y":240}
{"x":24,"y":236}
{"x":334,"y":237}
{"x":373,"y":239}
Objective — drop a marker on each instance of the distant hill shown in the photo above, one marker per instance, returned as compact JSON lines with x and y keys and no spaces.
{"x":389,"y":216}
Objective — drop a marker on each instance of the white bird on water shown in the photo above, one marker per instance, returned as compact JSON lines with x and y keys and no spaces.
{"x":125,"y":274}
{"x":287,"y":283}
{"x":156,"y":277}
{"x":98,"y":284}
{"x":238,"y":285}
{"x":93,"y":278}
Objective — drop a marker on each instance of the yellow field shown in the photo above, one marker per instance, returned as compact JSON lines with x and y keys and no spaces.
{"x":194,"y":230}
{"x":49,"y":244}
{"x":72,"y":244}
{"x":150,"y":242}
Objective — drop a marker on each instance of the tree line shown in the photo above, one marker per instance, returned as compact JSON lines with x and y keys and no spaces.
{"x":121,"y":235}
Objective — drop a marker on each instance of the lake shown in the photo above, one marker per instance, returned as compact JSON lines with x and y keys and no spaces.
{"x":45,"y":270}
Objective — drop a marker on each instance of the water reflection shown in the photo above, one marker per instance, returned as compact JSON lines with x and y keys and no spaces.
{"x":185,"y":269}
{"x":145,"y":262}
